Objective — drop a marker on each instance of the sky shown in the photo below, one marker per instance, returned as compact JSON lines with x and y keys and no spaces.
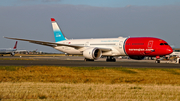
{"x":30,"y":19}
{"x":98,"y":3}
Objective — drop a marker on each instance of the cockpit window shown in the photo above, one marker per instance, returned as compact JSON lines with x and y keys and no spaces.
{"x":166,"y":43}
{"x":161,"y":43}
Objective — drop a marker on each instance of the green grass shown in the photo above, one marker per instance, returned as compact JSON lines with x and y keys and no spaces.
{"x":88,"y":68}
{"x":89,"y":75}
{"x":16,"y":59}
{"x":10,"y":68}
{"x":126,"y":70}
{"x":135,"y":87}
{"x":42,"y":97}
{"x":172,"y":71}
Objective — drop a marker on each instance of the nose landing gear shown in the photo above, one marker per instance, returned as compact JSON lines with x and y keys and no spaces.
{"x":157,"y":59}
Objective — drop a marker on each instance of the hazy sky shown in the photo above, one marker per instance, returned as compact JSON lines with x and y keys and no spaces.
{"x":98,"y":3}
{"x":30,"y":19}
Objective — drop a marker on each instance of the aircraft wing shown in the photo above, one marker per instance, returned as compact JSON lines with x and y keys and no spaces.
{"x":51,"y":44}
{"x":54,"y":44}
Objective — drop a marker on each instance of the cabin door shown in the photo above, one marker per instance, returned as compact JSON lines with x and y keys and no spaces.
{"x":120,"y":44}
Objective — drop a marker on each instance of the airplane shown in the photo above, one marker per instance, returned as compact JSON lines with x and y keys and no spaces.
{"x":92,"y":49}
{"x":26,"y":51}
{"x":175,"y":54}
{"x":8,"y":50}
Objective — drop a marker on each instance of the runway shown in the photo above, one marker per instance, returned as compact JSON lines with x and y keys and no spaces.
{"x":78,"y":61}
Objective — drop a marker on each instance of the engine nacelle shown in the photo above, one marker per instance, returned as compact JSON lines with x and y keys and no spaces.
{"x":137,"y":57}
{"x":92,"y":53}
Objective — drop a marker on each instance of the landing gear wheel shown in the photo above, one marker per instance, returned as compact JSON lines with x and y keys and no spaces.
{"x":12,"y":54}
{"x":157,"y":61}
{"x":110,"y":59}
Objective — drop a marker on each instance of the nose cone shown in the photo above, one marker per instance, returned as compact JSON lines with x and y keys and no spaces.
{"x":169,"y":50}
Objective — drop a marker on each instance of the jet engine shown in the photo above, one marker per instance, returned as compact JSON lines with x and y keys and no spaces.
{"x":92,"y":53}
{"x":137,"y":57}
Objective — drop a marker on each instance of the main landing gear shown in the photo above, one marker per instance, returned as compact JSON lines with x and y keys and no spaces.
{"x":110,"y":59}
{"x":157,"y":59}
{"x":88,"y":59}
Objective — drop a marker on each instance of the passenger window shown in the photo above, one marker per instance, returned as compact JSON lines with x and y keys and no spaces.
{"x":161,"y":43}
{"x":166,"y":43}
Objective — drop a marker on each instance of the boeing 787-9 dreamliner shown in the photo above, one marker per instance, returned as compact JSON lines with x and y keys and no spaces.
{"x":92,"y":49}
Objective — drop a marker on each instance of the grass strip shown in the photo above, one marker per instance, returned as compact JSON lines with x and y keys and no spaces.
{"x":16,"y":59}
{"x":105,"y":75}
{"x":82,"y":91}
{"x":10,"y":68}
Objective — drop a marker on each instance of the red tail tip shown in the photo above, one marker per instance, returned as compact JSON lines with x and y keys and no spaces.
{"x":15,"y":46}
{"x":52,"y":19}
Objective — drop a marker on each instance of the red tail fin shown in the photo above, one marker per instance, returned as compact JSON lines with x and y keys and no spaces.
{"x":15,"y":46}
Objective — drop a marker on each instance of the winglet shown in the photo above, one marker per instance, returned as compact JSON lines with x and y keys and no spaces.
{"x":15,"y":46}
{"x":58,"y":34}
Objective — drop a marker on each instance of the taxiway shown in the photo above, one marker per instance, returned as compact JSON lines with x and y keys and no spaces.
{"x":75,"y":61}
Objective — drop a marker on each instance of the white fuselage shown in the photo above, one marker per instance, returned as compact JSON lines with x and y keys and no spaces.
{"x":7,"y":51}
{"x":175,"y":53}
{"x":116,"y":44}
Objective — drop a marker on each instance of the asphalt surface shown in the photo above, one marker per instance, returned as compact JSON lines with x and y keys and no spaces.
{"x":78,"y":61}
